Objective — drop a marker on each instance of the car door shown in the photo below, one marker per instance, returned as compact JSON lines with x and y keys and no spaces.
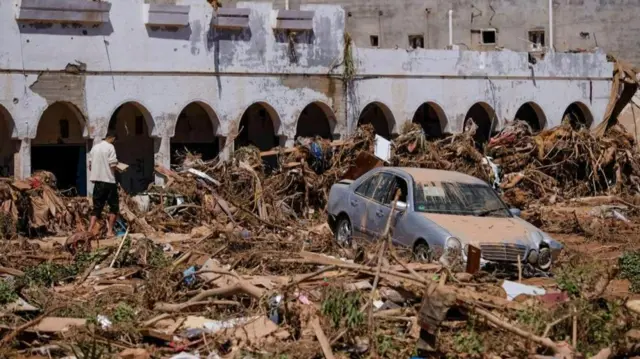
{"x":359,"y":201}
{"x":378,"y":210}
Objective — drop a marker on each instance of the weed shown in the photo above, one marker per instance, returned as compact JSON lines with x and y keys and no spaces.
{"x":630,"y":269}
{"x":573,"y":279}
{"x":7,"y":292}
{"x":342,"y":308}
{"x":468,"y":342}
{"x":385,"y":346}
{"x":532,"y":319}
{"x":90,"y":349}
{"x":124,"y":314}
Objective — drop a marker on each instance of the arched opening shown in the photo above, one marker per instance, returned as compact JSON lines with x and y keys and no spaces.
{"x":315,"y":120}
{"x":8,"y":146}
{"x":258,"y":127}
{"x":532,"y":114}
{"x":431,"y":118}
{"x":378,"y":115}
{"x":484,"y":118}
{"x":134,"y":146}
{"x":195,"y":133}
{"x":578,"y":115}
{"x":60,"y":147}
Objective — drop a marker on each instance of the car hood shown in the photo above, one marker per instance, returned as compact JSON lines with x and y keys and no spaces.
{"x":475,"y":230}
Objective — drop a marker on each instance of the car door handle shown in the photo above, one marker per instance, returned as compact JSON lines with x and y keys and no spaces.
{"x":379,"y":213}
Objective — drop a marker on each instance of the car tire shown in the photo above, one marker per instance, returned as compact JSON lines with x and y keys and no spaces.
{"x":422,"y":252}
{"x":343,"y":231}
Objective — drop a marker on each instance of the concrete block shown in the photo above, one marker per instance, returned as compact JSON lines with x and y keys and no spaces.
{"x":295,"y":20}
{"x":232,"y":18}
{"x":166,"y":15}
{"x":64,"y":11}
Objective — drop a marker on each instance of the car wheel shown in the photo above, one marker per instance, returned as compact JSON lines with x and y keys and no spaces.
{"x":422,"y":252}
{"x":343,"y":231}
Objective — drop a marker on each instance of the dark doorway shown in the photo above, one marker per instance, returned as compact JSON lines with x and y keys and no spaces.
{"x":134,"y":146}
{"x":578,"y":116}
{"x":379,"y":116}
{"x":431,"y":118}
{"x":532,"y":114}
{"x":195,"y":133}
{"x":60,"y":147}
{"x":314,"y":122}
{"x":484,"y":118}
{"x":257,"y":128}
{"x":8,"y":146}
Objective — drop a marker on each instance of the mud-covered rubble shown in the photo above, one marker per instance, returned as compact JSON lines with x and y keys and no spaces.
{"x":235,"y":259}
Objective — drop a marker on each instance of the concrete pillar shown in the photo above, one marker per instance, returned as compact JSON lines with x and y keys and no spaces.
{"x":162,"y":155}
{"x":225,"y":149}
{"x":22,"y":160}
{"x":90,"y":143}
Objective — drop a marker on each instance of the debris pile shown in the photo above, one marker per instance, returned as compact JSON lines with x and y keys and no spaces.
{"x":235,"y":260}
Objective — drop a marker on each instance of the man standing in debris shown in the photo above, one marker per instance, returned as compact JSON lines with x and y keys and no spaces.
{"x":102,"y":165}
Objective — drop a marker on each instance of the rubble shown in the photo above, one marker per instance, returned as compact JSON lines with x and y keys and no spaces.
{"x":234,"y":259}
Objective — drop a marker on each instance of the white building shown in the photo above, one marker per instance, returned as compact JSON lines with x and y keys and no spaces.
{"x":174,"y":76}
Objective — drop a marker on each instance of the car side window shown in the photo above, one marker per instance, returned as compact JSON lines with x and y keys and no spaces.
{"x":385,"y":185}
{"x":367,"y":187}
{"x":398,"y":184}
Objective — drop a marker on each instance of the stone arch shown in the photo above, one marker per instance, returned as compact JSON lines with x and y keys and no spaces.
{"x":60,"y":146}
{"x":431,"y":117}
{"x":134,"y":145}
{"x":380,"y":116}
{"x":259,"y":127}
{"x":316,"y":119}
{"x":485,"y":118}
{"x":532,"y":114}
{"x":8,"y":145}
{"x":195,"y":132}
{"x":578,"y":115}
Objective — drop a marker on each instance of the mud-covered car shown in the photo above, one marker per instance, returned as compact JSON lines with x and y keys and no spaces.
{"x":437,"y":212}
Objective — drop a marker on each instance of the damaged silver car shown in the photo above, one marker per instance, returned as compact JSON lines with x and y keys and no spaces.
{"x":438,"y":214}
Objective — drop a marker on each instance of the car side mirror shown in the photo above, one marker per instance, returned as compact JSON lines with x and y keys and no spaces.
{"x":515,"y":212}
{"x":401,"y":206}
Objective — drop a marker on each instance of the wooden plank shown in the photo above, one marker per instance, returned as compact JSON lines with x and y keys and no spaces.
{"x":171,"y":9}
{"x":335,"y":143}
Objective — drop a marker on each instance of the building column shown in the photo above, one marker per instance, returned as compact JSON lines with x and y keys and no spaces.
{"x":225,"y":150}
{"x":162,"y":155}
{"x":22,"y":160}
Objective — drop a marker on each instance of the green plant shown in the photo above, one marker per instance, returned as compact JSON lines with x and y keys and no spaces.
{"x":386,"y":346}
{"x":90,"y":349}
{"x":343,"y":308}
{"x":574,"y":278}
{"x":7,"y":292}
{"x":123,"y":313}
{"x":348,"y":64}
{"x":629,"y":264}
{"x":468,"y":342}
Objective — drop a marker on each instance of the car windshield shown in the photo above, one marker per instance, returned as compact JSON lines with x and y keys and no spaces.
{"x":464,"y":199}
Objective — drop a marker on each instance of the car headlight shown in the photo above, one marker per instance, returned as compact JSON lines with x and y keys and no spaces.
{"x":454,"y":245}
{"x":544,"y":258}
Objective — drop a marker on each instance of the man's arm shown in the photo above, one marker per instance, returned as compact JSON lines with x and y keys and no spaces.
{"x":113,"y":160}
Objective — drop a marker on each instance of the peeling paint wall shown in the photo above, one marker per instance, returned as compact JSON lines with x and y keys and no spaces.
{"x":227,"y":71}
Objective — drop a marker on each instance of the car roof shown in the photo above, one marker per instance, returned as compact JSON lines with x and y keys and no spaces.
{"x":423,"y":175}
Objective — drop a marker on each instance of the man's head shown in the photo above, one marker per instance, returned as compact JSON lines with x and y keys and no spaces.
{"x":111,"y":136}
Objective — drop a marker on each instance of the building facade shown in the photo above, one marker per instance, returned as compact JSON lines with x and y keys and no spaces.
{"x":182,"y":75}
{"x":487,"y":25}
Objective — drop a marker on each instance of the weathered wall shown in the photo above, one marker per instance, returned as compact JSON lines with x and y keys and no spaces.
{"x":609,"y":24}
{"x":226,"y":71}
